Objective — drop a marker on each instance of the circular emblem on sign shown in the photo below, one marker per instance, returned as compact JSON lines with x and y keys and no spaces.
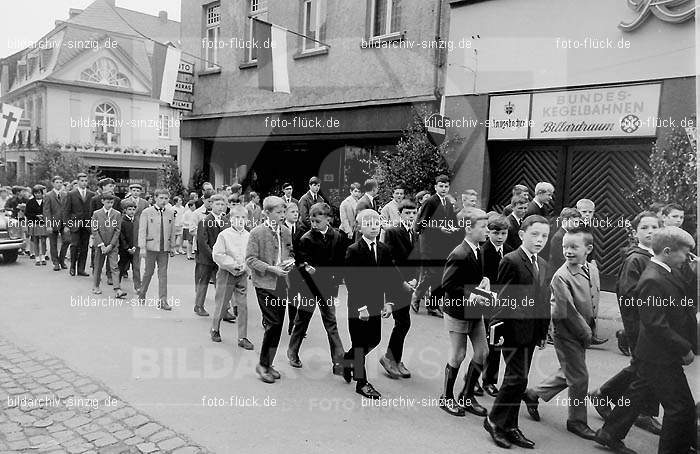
{"x":629,"y":123}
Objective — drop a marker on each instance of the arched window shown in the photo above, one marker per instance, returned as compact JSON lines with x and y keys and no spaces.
{"x":106,"y":132}
{"x":104,"y":71}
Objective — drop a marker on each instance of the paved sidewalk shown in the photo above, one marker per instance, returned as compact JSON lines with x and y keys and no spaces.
{"x":48,"y":407}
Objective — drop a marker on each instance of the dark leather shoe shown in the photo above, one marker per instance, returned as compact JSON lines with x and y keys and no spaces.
{"x":109,"y":282}
{"x":498,"y":436}
{"x":491,"y":389}
{"x":622,"y":343}
{"x":390,"y":367}
{"x":600,"y":403}
{"x":265,"y":376}
{"x":57,"y":267}
{"x":598,"y":340}
{"x":64,"y":266}
{"x":368,"y":391}
{"x":516,"y":437}
{"x":215,"y":336}
{"x":164,"y":306}
{"x":337,"y":369}
{"x":405,"y":373}
{"x":581,"y":429}
{"x":451,"y":406}
{"x":229,"y":317}
{"x":648,"y":423}
{"x":470,"y":404}
{"x":199,"y":310}
{"x":347,"y":371}
{"x":294,"y":360}
{"x":72,"y":272}
{"x":83,"y":273}
{"x":531,"y":402}
{"x":478,"y":390}
{"x":603,"y":438}
{"x":272,"y":371}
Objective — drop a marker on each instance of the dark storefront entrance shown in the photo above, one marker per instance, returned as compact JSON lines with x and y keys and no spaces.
{"x":600,"y":170}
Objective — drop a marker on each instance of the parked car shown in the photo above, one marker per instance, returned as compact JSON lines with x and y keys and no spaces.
{"x":10,"y":238}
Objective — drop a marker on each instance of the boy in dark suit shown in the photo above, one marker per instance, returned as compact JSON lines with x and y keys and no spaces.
{"x":106,"y":225}
{"x":127,"y":245}
{"x":401,"y":241}
{"x":55,"y":225}
{"x":524,"y":309}
{"x":494,"y":249}
{"x":515,"y":218}
{"x":297,"y":229}
{"x":311,"y":197}
{"x":367,"y":201}
{"x":205,"y":267}
{"x":287,"y":190}
{"x":320,"y":254}
{"x":463,"y":314}
{"x":369,"y":274}
{"x":541,"y":205}
{"x":77,"y":216}
{"x":667,"y":342}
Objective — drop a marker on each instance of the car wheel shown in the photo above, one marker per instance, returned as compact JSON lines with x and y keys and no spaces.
{"x":9,"y":256}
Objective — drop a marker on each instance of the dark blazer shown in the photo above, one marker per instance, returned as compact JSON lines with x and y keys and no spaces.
{"x":667,"y":333}
{"x":53,"y":209}
{"x":524,"y":325}
{"x":96,"y":203}
{"x":305,"y":203}
{"x":434,"y":243}
{"x":292,"y":201}
{"x":534,"y":208}
{"x":207,"y":232}
{"x":367,"y":283}
{"x":556,"y":254}
{"x":327,"y":255}
{"x":127,"y":234}
{"x":406,"y":254}
{"x":463,"y":272}
{"x":76,"y":211}
{"x":513,"y":241}
{"x":363,"y":203}
{"x":33,"y":211}
{"x":491,"y":260}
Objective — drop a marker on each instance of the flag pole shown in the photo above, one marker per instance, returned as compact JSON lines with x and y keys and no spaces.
{"x":292,"y":32}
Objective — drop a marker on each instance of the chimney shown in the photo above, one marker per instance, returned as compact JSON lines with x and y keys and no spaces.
{"x":163,"y":16}
{"x":73,"y":12}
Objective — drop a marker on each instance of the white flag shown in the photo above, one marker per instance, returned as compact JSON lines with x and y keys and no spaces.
{"x":8,"y":122}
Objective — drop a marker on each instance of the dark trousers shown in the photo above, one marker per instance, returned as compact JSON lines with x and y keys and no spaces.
{"x":669,"y":385}
{"x":504,"y":413}
{"x":79,"y":248}
{"x":127,"y":260}
{"x":272,"y":305}
{"x":364,"y":335}
{"x":402,"y":323}
{"x":304,"y":313}
{"x":430,"y":277}
{"x":619,"y":385}
{"x":58,"y":257}
{"x":153,"y":258}
{"x":203,"y":274}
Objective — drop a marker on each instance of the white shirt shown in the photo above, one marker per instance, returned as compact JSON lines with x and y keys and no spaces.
{"x":230,"y":248}
{"x":82,"y":192}
{"x":646,"y":248}
{"x":530,"y":256}
{"x":661,"y":264}
{"x":475,"y":247}
{"x":538,"y":203}
{"x":498,"y":248}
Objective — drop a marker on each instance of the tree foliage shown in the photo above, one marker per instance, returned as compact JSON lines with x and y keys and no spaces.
{"x":199,"y":177}
{"x":51,"y":160}
{"x":170,"y":178}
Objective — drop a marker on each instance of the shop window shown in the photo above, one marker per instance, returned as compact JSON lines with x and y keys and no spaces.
{"x":213,"y":26}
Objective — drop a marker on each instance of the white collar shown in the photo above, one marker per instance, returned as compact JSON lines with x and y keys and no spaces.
{"x":474,"y":247}
{"x":538,"y":203}
{"x":528,"y":253}
{"x":646,"y":248}
{"x":370,"y":242}
{"x":406,"y":226}
{"x":57,"y":192}
{"x":324,"y":232}
{"x":515,"y":217}
{"x":107,"y":211}
{"x":661,"y":264}
{"x":288,"y":224}
{"x":498,"y":248}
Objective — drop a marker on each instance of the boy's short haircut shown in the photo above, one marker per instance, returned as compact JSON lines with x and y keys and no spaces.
{"x":520,"y":189}
{"x":442,"y":179}
{"x":160,"y":191}
{"x":569,"y":213}
{"x":470,"y":192}
{"x":292,"y":203}
{"x":583,"y":229}
{"x":644,"y":214}
{"x":370,"y":185}
{"x":498,"y":222}
{"x":314,"y":180}
{"x":252,"y":195}
{"x":56,"y":177}
{"x":320,"y":209}
{"x":271,"y":202}
{"x":177,"y":198}
{"x":287,"y":185}
{"x":543,"y":186}
{"x":583,"y":202}
{"x":532,"y":219}
{"x":355,"y":186}
{"x":207,"y":194}
{"x":107,"y":196}
{"x":239,"y":209}
{"x":128,"y":204}
{"x":191,"y":203}
{"x":407,"y":204}
{"x":518,"y":199}
{"x":217,"y":198}
{"x":420,"y":195}
{"x":37,"y":189}
{"x":468,"y":217}
{"x":234,"y":198}
{"x":671,"y":207}
{"x":105,"y":181}
{"x":366,"y":214}
{"x":673,"y":238}
{"x":236,"y":187}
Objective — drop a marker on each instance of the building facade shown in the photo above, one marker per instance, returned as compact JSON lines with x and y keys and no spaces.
{"x":86,"y":85}
{"x":561,"y":92}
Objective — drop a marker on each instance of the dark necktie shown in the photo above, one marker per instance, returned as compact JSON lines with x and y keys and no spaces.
{"x":500,"y":253}
{"x":294,"y":229}
{"x":58,"y":196}
{"x":586,"y":271}
{"x":535,"y":268}
{"x":373,"y":252}
{"x":162,"y":232}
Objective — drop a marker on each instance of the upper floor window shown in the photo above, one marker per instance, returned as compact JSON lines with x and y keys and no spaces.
{"x":163,"y":126}
{"x":256,"y":8}
{"x":106,"y":121}
{"x":104,"y":71}
{"x":384,"y":17}
{"x":310,"y":25}
{"x":213,"y":24}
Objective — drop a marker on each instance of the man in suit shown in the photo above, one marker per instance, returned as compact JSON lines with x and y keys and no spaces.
{"x":254,"y":210}
{"x":77,"y":215}
{"x":297,"y":229}
{"x":367,"y":201}
{"x":463,"y":313}
{"x":369,"y":276}
{"x":311,"y":197}
{"x":128,"y":241}
{"x":401,"y":241}
{"x":287,"y":190}
{"x":667,"y":342}
{"x":523,"y":278}
{"x":55,"y":225}
{"x":106,"y":226}
{"x":207,"y":187}
{"x":348,"y":210}
{"x":437,"y":226}
{"x":157,"y":239}
{"x":205,"y":268}
{"x":141,"y":204}
{"x":515,"y":218}
{"x":544,"y":193}
{"x":106,"y":186}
